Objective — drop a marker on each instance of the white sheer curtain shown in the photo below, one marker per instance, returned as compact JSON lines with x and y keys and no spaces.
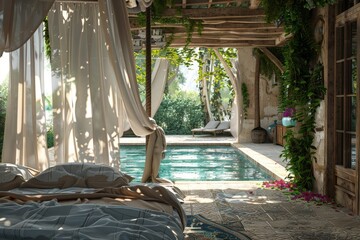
{"x":19,"y":19}
{"x":25,"y":131}
{"x":95,"y":88}
{"x":116,"y":28}
{"x":159,"y":77}
{"x":158,"y":82}
{"x":135,"y":6}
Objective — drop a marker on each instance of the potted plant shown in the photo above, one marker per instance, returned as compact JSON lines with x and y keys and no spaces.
{"x":287,"y":119}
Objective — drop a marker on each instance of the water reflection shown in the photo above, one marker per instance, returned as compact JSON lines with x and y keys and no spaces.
{"x":195,"y":163}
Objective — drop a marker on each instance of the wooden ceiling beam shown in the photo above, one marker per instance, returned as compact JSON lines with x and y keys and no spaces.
{"x":229,"y":20}
{"x":213,"y":13}
{"x":224,"y":45}
{"x":239,"y":26}
{"x":178,"y":29}
{"x":228,"y":37}
{"x":215,"y":42}
{"x":233,"y":33}
{"x":207,"y":3}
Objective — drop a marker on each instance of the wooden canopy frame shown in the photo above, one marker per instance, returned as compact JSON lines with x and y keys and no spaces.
{"x":225,"y":23}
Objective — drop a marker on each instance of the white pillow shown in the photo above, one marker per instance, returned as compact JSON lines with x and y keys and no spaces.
{"x":79,"y":175}
{"x":13,"y":175}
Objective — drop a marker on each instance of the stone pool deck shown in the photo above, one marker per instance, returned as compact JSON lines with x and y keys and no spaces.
{"x":261,"y":213}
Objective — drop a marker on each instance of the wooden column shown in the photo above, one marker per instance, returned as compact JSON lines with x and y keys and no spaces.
{"x":148,"y":65}
{"x":148,"y":61}
{"x":257,"y":92}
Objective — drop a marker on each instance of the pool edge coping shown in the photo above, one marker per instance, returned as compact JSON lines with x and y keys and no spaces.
{"x":271,"y":167}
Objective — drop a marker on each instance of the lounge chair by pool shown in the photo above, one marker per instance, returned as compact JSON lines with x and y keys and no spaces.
{"x":223,"y":126}
{"x":210,"y":125}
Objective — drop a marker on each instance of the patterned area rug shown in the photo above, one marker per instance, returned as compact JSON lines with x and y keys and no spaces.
{"x":199,"y":227}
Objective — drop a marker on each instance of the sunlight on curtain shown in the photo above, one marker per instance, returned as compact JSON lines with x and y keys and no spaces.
{"x":19,"y":20}
{"x":158,"y":82}
{"x":159,"y":77}
{"x":87,"y":108}
{"x":94,"y":87}
{"x":116,"y":28}
{"x":94,"y":84}
{"x":25,"y":126}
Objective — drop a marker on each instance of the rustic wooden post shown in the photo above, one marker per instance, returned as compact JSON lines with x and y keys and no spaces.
{"x":148,"y":64}
{"x":257,"y":92}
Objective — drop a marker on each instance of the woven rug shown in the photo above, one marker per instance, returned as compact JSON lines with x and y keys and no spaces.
{"x":199,"y":227}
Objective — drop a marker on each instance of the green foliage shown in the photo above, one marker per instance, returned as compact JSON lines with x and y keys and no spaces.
{"x":176,"y":57}
{"x":50,"y":138}
{"x":3,"y":103}
{"x":47,"y":38}
{"x":301,"y":85}
{"x":218,"y":82}
{"x":267,"y":67}
{"x":246,"y":100}
{"x":180,"y":113}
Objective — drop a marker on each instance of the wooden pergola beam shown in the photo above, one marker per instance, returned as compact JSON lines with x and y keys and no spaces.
{"x":221,"y":26}
{"x":223,"y":44}
{"x":211,"y":13}
{"x":207,"y":3}
{"x":273,"y":59}
{"x":226,"y":36}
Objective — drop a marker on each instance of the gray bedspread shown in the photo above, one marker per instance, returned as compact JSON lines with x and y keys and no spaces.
{"x":51,"y":220}
{"x":87,"y":201}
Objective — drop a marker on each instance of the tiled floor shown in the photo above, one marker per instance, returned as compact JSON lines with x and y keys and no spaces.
{"x":261,"y":213}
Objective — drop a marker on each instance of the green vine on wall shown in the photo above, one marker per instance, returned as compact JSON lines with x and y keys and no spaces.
{"x":246,"y":100}
{"x":300,"y":84}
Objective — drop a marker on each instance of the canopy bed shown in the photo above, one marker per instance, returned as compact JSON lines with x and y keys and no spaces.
{"x":95,"y":97}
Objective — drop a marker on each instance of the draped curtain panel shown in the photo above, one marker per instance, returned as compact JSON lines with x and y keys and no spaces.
{"x":25,"y":125}
{"x":158,"y":82}
{"x":94,"y":83}
{"x":135,"y":6}
{"x":19,"y":19}
{"x":159,"y":77}
{"x":116,"y":30}
{"x":87,"y":107}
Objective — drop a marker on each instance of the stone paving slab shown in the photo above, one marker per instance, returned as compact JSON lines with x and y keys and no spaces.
{"x":268,"y":214}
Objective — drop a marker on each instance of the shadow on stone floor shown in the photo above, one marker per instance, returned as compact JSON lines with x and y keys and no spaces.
{"x":270,"y":214}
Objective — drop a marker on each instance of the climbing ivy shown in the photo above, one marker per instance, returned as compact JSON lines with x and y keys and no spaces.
{"x":301,"y":85}
{"x":246,"y":100}
{"x":46,"y":38}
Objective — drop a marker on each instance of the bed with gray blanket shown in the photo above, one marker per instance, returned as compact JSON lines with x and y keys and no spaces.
{"x":86,"y":201}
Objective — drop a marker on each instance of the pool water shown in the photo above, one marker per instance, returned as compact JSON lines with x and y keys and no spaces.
{"x":195,"y":163}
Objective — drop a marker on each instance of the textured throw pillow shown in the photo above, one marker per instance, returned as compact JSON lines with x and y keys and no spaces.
{"x":79,"y":175}
{"x":13,"y":175}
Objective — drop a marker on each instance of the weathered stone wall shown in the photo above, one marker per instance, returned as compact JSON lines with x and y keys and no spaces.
{"x":268,"y":95}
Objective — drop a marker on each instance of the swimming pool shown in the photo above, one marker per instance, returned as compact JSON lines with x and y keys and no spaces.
{"x":195,"y":163}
